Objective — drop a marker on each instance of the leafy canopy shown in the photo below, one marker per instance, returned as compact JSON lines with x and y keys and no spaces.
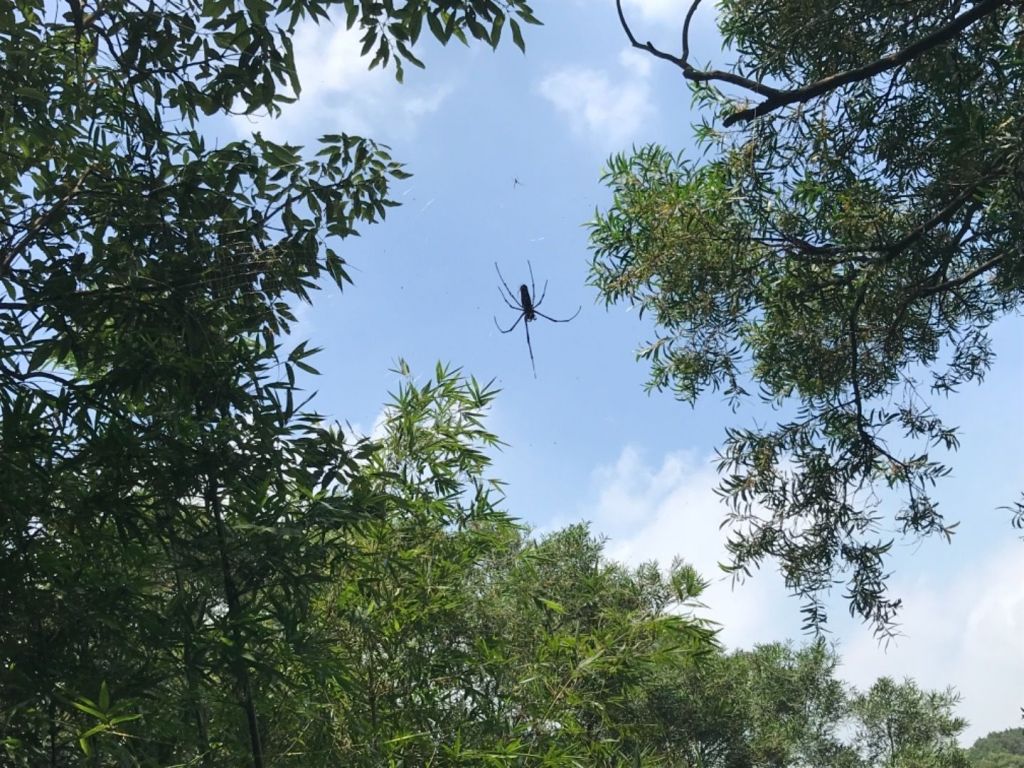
{"x":852,"y":234}
{"x":170,"y":508}
{"x":999,"y":749}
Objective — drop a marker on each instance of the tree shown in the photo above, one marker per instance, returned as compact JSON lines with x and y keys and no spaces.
{"x":770,"y":706}
{"x":776,"y":705}
{"x":463,"y":641}
{"x":897,"y":725}
{"x":999,"y":749}
{"x":391,"y":662}
{"x":854,"y":232}
{"x":576,"y":644}
{"x":169,"y":508}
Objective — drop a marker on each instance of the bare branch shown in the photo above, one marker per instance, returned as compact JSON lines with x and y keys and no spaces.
{"x":689,"y":71}
{"x":775,"y":98}
{"x":686,"y":29}
{"x":648,"y":46}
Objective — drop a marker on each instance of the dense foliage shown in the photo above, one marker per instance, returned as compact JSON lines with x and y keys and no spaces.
{"x":170,"y":512}
{"x":999,"y":749}
{"x":855,"y":230}
{"x":898,"y":724}
{"x":472,"y":644}
{"x":195,"y":568}
{"x":779,"y":706}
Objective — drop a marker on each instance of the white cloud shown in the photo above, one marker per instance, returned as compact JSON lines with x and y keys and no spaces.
{"x":356,"y":431}
{"x":661,"y":22}
{"x":658,"y":513}
{"x":606,"y":110}
{"x":340,"y":95}
{"x":662,"y":14}
{"x":660,"y":10}
{"x":963,"y":626}
{"x":635,"y":62}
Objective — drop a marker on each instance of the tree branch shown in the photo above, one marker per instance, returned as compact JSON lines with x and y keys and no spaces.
{"x":890,"y":250}
{"x":868,"y":440}
{"x":686,"y":29}
{"x":939,"y":273}
{"x":966,"y":277}
{"x":891,"y":61}
{"x":775,"y":98}
{"x":8,"y":256}
{"x":24,"y":376}
{"x":648,"y":46}
{"x":941,"y":217}
{"x":689,"y":71}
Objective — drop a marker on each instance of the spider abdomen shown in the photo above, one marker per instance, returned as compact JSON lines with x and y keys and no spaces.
{"x":527,"y":301}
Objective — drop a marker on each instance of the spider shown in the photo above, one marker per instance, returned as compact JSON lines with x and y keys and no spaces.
{"x":527,"y":308}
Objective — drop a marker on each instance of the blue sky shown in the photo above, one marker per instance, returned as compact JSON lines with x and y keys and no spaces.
{"x":585,"y":441}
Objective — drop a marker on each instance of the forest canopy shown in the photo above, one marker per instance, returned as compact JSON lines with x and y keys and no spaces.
{"x":198,"y":568}
{"x":999,"y":749}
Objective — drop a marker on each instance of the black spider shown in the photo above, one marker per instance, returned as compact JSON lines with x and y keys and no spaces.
{"x":527,"y":308}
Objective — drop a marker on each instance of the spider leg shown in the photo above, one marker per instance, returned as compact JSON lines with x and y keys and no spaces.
{"x":533,"y":288}
{"x":507,"y":289}
{"x":529,"y":346}
{"x":511,"y":327}
{"x":556,"y":320}
{"x":543,"y":293}
{"x":504,"y":298}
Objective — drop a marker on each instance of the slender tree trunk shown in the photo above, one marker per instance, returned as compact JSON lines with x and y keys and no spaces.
{"x":234,"y":622}
{"x":195,"y":713}
{"x":189,"y":656}
{"x":53,"y":733}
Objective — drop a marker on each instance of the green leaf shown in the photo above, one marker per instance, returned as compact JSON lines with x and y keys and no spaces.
{"x":124,"y":719}
{"x":551,"y":605}
{"x":496,"y":27}
{"x":101,"y":728}
{"x":517,"y":35}
{"x":31,"y":94}
{"x":89,"y":707}
{"x":436,"y":27}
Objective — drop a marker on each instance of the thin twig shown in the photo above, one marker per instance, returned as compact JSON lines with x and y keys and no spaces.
{"x":689,"y":71}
